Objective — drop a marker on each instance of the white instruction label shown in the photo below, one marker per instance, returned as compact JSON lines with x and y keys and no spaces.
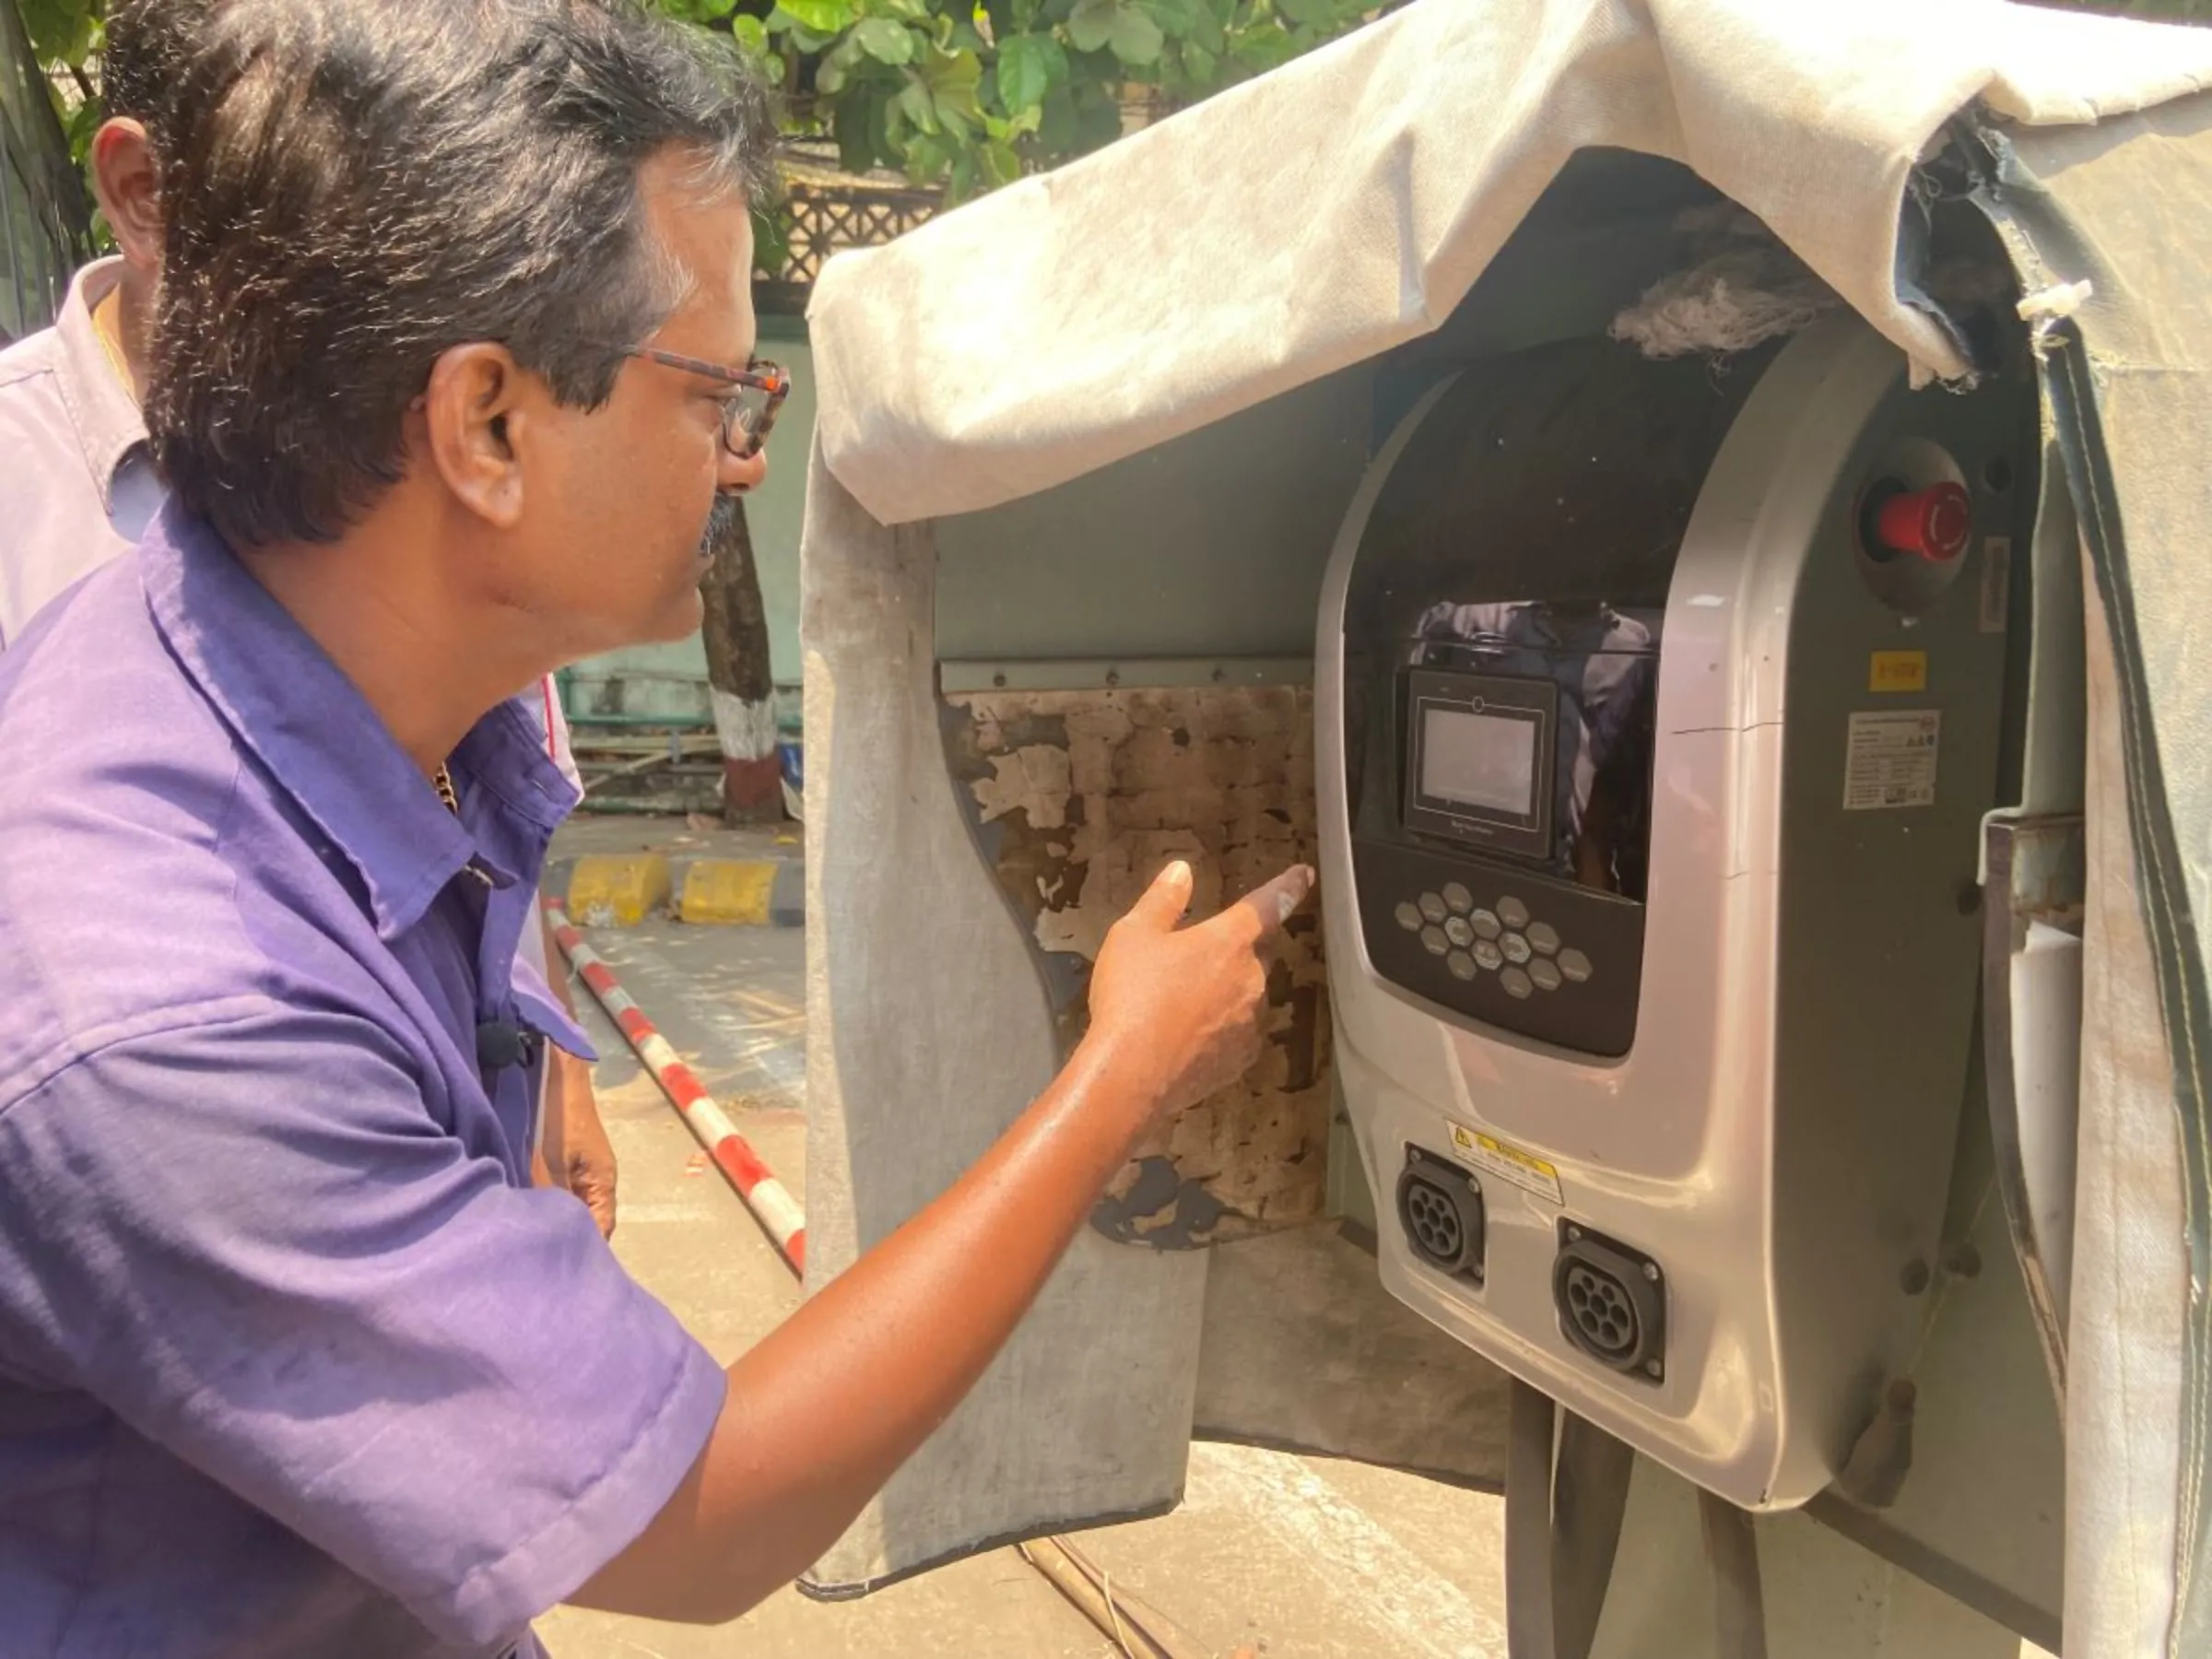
{"x":1507,"y":1163}
{"x":1996,"y":582}
{"x":1890,"y":760}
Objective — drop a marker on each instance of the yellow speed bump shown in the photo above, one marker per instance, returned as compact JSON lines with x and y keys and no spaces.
{"x":730,"y":891}
{"x":617,"y":889}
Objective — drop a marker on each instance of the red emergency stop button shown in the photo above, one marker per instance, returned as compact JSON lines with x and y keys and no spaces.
{"x":1931,"y":523}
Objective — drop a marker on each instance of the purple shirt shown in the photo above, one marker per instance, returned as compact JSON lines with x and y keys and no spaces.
{"x":292,"y":1361}
{"x":79,"y":485}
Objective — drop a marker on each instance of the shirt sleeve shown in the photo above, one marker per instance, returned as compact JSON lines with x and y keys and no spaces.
{"x":251,"y":1240}
{"x":533,"y":992}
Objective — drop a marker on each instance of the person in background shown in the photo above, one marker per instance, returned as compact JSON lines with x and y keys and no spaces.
{"x":79,"y":485}
{"x":453,"y":358}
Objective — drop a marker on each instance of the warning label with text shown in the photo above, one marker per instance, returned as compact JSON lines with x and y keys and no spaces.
{"x":1890,"y":760}
{"x":1507,"y":1163}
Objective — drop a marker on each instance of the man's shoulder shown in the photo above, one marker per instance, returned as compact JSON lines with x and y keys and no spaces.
{"x":45,"y":352}
{"x":32,"y":354}
{"x":33,"y":407}
{"x":29,"y":370}
{"x":101,"y":636}
{"x":117,"y":886}
{"x":94,"y":707}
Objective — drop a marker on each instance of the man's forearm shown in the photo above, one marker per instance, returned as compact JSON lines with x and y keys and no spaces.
{"x":577,"y":1153}
{"x":557,"y":977}
{"x":551,"y":1165}
{"x":821,"y":1413}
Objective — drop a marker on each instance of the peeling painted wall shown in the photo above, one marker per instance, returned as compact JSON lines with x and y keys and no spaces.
{"x":1079,"y":799}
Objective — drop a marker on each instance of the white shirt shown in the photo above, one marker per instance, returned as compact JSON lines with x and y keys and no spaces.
{"x":78,"y":484}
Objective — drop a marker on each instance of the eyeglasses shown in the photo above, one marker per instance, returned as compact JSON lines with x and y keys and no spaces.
{"x":746,"y":419}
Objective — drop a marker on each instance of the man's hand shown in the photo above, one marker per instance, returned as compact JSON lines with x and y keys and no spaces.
{"x":579,"y":1157}
{"x":821,"y":1412}
{"x":1185,"y":1004}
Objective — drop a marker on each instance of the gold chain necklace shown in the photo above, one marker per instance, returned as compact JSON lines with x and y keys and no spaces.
{"x":444,"y":780}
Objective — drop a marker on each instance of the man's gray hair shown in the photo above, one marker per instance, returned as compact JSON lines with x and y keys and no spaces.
{"x":354,"y":188}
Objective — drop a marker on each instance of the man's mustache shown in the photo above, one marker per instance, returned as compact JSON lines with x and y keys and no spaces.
{"x":722,"y":523}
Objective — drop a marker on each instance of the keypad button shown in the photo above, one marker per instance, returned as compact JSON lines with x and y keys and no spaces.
{"x":1434,"y":942}
{"x":1545,"y":972}
{"x":1516,"y":983}
{"x":1458,"y":932}
{"x":1575,"y":966}
{"x":1513,"y":913}
{"x":1458,"y":899}
{"x":1485,"y":924}
{"x":1515,"y":948}
{"x":1486,"y":956}
{"x":1432,"y":907}
{"x":1460,"y":964}
{"x":1408,"y":917}
{"x":1545,"y":938}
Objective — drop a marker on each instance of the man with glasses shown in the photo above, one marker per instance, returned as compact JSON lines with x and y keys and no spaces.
{"x":79,"y":485}
{"x":454,"y":362}
{"x":756,"y":396}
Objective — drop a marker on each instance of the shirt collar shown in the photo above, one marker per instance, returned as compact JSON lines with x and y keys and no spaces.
{"x":104,"y":415}
{"x":304,"y":721}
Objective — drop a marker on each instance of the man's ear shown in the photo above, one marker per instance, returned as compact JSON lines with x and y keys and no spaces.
{"x":478,"y":412}
{"x":128,"y":184}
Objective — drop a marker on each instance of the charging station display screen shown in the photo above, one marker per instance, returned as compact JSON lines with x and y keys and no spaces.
{"x":1479,"y":759}
{"x":1486,"y":761}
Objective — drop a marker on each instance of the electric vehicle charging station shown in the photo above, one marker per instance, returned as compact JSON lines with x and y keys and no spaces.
{"x":1659,"y":712}
{"x":1810,"y":720}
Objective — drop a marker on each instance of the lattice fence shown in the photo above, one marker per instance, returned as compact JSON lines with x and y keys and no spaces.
{"x":827,"y":219}
{"x":830,"y":212}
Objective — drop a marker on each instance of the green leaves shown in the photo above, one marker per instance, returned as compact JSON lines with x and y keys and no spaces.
{"x":953,"y":79}
{"x":964,"y":94}
{"x":1137,"y":40}
{"x":817,"y":16}
{"x":772,"y":237}
{"x":886,"y":41}
{"x":63,"y":32}
{"x":700,"y":11}
{"x":1121,"y":27}
{"x":1091,"y":24}
{"x":1029,"y":65}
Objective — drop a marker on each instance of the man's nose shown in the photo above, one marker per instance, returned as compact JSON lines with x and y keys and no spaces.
{"x":742,"y":477}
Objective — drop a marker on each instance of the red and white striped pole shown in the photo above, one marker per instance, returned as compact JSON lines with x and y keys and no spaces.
{"x":771,"y":1205}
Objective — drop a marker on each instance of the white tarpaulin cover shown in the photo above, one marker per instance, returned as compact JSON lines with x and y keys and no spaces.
{"x":1344,"y":203}
{"x":1313,"y":220}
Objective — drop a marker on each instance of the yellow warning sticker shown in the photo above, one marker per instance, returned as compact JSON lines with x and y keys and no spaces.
{"x":1898,"y":671}
{"x":1506,"y":1162}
